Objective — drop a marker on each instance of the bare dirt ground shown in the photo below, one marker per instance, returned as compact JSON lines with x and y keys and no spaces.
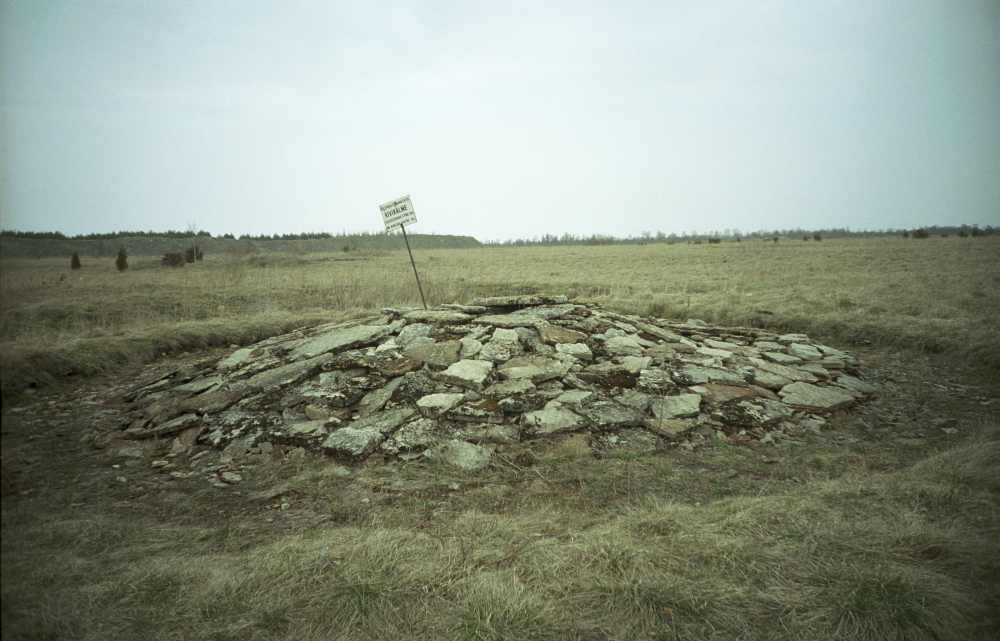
{"x":76,"y":516}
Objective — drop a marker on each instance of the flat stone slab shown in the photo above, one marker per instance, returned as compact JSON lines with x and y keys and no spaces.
{"x":467,"y":373}
{"x":526,"y":300}
{"x":434,"y":405}
{"x":340,"y":339}
{"x":679,"y":406}
{"x":436,"y":316}
{"x":554,"y":334}
{"x":808,"y":396}
{"x":552,"y":419}
{"x":439,"y":355}
{"x":361,"y":437}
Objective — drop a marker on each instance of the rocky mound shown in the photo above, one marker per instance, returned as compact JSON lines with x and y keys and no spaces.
{"x":459,"y":381}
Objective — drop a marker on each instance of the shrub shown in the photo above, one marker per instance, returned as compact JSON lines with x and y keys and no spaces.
{"x":921,"y":233}
{"x":775,"y":239}
{"x":817,"y":237}
{"x":172,"y":259}
{"x":805,"y":238}
{"x":714,"y":241}
{"x":121,"y":261}
{"x":198,"y":254}
{"x":189,"y":255}
{"x":74,"y":261}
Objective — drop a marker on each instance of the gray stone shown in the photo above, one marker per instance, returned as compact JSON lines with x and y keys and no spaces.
{"x":855,"y":385}
{"x":522,"y":300}
{"x":655,"y":380}
{"x":512,"y":387}
{"x":695,"y":374}
{"x":724,"y":345}
{"x":714,"y":353}
{"x":768,"y":346}
{"x":786,"y":339}
{"x":578,"y":351}
{"x":339,"y":339}
{"x":361,"y":437}
{"x":528,"y":317}
{"x":461,"y":454}
{"x":434,"y":405}
{"x":680,"y":406}
{"x":504,"y":345}
{"x":436,"y":316}
{"x":536,"y":368}
{"x":805,"y":352}
{"x":573,"y":397}
{"x":605,"y":415}
{"x":813,"y":397}
{"x":671,"y":427}
{"x":470,"y":374}
{"x":555,"y":334}
{"x":413,"y":331}
{"x":815,"y":369}
{"x":635,"y":364}
{"x":415,"y":435}
{"x":376,"y":399}
{"x":782,"y":358}
{"x":235,"y":359}
{"x":658,"y":332}
{"x":769,"y":380}
{"x":488,"y":433}
{"x":286,"y":374}
{"x":199,"y":385}
{"x":791,"y":373}
{"x":470,"y":347}
{"x":439,"y":355}
{"x":635,"y":399}
{"x":551,"y":419}
{"x":623,"y":346}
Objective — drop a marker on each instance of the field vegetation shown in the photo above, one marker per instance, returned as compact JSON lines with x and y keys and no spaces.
{"x":940,"y":295}
{"x":886,"y":525}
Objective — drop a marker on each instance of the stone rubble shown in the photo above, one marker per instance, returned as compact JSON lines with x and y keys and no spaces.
{"x":458,"y":383}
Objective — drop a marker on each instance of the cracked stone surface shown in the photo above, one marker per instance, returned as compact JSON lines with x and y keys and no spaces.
{"x":459,"y":383}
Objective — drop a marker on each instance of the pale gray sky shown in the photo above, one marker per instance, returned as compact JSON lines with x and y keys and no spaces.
{"x":501,"y":120}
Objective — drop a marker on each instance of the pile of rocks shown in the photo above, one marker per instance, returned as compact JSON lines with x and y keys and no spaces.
{"x":459,"y":381}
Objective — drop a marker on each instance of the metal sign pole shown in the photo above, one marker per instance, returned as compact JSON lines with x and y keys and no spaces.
{"x":419,"y":287}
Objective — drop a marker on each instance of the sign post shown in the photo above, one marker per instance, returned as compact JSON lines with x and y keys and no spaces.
{"x":399,"y":213}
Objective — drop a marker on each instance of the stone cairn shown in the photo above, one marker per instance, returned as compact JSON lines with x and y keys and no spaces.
{"x":460,"y":382}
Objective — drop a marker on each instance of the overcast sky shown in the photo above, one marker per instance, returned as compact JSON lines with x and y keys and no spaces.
{"x":499,"y":119}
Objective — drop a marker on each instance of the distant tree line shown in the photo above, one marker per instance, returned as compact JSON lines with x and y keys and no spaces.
{"x":58,"y":235}
{"x":735,"y":235}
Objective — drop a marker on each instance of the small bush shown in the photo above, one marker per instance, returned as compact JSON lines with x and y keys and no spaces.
{"x":817,"y":237}
{"x":805,"y":238}
{"x":189,"y":255}
{"x":172,"y":259}
{"x":198,"y":254}
{"x":906,"y":234}
{"x":775,"y":239}
{"x":74,"y":261}
{"x":714,"y":241}
{"x":921,"y":233}
{"x":121,"y":261}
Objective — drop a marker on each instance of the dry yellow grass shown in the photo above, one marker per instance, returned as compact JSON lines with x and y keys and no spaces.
{"x":936,"y":294}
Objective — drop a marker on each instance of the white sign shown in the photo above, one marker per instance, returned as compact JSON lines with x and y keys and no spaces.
{"x":397,"y":213}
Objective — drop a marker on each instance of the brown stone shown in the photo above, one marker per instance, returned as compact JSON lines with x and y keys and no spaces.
{"x":556,"y":334}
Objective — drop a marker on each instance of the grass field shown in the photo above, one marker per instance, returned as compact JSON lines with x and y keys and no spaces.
{"x":883,"y":526}
{"x":940,"y":294}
